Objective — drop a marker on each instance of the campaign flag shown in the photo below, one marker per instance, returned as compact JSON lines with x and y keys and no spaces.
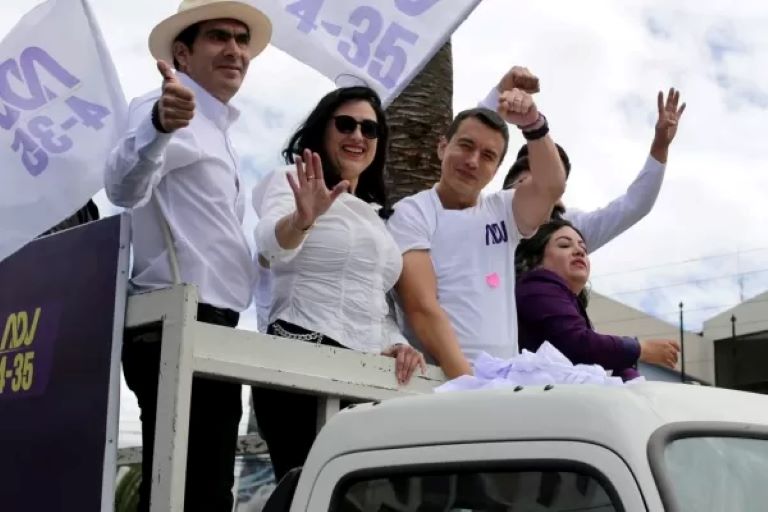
{"x":381,"y":43}
{"x":61,"y":110}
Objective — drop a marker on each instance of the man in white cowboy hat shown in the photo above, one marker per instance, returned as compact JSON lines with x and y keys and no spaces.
{"x":177,"y":154}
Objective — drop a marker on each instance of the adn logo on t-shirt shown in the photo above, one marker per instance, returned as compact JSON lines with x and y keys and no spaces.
{"x":496,"y":233}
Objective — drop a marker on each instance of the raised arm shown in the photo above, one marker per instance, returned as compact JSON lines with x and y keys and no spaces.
{"x":139,"y":161}
{"x":417,"y":289}
{"x":533,"y":204}
{"x":288,"y":207}
{"x":312,"y":199}
{"x":604,"y":224}
{"x":518,"y":77}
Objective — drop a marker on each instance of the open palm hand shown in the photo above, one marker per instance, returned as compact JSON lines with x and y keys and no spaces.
{"x":312,"y":196}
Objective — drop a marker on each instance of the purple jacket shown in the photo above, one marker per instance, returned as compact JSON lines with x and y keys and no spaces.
{"x":547,"y":310}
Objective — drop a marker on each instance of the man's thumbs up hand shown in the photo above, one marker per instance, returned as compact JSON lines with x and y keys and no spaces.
{"x":176,"y":106}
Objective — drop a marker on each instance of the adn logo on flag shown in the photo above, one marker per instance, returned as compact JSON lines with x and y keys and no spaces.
{"x":61,"y":109}
{"x":42,"y":135}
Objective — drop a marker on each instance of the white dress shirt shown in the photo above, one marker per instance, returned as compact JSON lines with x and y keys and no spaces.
{"x":193,"y":172}
{"x":336,"y":281}
{"x":602,"y":225}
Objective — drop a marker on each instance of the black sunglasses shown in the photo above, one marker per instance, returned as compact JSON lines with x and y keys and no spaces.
{"x":348,"y":124}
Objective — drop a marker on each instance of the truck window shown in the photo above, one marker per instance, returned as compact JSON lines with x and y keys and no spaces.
{"x":477,"y":491}
{"x":708,"y":474}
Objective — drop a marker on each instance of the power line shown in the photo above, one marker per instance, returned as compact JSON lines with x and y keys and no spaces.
{"x":659,"y":316}
{"x":681,"y":262}
{"x":738,"y":324}
{"x":691,"y":281}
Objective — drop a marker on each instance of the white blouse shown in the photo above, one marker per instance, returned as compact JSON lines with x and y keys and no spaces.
{"x":336,"y":282}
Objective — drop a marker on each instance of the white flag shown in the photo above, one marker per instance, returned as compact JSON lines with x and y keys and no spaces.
{"x":61,"y":106}
{"x":382,"y":43}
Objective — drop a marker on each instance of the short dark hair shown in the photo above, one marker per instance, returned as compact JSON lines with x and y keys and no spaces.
{"x":187,"y":37}
{"x":523,"y":151}
{"x":311,"y":135}
{"x":486,"y":116}
{"x":530,"y":252}
{"x":519,"y":167}
{"x":522,"y":164}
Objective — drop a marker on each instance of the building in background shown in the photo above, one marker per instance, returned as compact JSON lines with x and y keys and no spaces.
{"x":740,"y":337}
{"x":612,"y":317}
{"x":730,"y":352}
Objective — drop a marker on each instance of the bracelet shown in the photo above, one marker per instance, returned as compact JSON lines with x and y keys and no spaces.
{"x":156,"y":118}
{"x":540,"y":120}
{"x":536,"y":130}
{"x":301,"y":230}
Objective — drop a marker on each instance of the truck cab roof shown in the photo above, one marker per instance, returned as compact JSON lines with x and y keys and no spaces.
{"x":614,"y":416}
{"x":634,"y":422}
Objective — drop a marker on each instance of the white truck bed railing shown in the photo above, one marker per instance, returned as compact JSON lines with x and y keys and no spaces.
{"x":191,"y":347}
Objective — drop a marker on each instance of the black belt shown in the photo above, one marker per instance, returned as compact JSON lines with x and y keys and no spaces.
{"x":151,"y":333}
{"x":220,"y":316}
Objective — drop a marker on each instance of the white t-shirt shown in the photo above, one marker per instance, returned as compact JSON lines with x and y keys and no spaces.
{"x":473,"y":253}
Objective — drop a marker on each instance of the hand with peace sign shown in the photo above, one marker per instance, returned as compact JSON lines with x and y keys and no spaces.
{"x":312,"y":196}
{"x":670,"y":113}
{"x":176,"y":106}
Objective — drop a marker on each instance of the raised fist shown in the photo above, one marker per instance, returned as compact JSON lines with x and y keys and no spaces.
{"x":517,"y":107}
{"x":519,"y":78}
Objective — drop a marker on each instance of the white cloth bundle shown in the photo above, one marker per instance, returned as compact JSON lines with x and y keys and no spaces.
{"x":545,"y":366}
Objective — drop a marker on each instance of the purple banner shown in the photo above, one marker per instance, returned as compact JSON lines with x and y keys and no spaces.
{"x":57,"y":317}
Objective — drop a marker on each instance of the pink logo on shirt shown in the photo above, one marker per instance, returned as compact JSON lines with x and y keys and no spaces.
{"x":493,"y":280}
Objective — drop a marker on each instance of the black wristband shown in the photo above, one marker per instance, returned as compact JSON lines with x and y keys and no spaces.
{"x":156,"y":118}
{"x":538,"y":133}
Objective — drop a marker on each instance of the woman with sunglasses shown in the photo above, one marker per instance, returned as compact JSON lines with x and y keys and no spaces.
{"x":333,"y":261}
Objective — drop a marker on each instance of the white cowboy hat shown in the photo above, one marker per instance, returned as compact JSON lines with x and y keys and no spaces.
{"x":194,"y":11}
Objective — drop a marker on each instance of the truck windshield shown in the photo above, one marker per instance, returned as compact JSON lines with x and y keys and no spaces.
{"x":471,"y":491}
{"x":709,"y":474}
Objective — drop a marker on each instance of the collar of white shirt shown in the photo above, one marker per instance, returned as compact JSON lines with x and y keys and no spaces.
{"x":222,"y":114}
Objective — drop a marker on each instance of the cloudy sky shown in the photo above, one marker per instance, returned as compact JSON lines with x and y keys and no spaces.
{"x":601,"y":63}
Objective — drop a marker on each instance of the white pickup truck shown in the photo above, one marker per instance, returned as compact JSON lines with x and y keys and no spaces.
{"x":649,"y":447}
{"x":646,"y":447}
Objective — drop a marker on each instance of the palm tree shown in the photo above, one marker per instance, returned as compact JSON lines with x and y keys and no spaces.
{"x":127,"y":491}
{"x":417,"y":119}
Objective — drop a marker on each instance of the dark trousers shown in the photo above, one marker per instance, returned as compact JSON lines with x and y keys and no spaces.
{"x":287,"y":421}
{"x":215,"y":412}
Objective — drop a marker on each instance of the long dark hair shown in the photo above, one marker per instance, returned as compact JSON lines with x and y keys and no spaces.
{"x":311,"y":135}
{"x":530,"y":252}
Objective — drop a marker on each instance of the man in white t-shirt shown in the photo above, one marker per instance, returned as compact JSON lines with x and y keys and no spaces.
{"x":457,"y":285}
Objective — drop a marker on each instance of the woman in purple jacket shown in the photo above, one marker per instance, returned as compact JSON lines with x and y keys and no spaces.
{"x":553,"y":270}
